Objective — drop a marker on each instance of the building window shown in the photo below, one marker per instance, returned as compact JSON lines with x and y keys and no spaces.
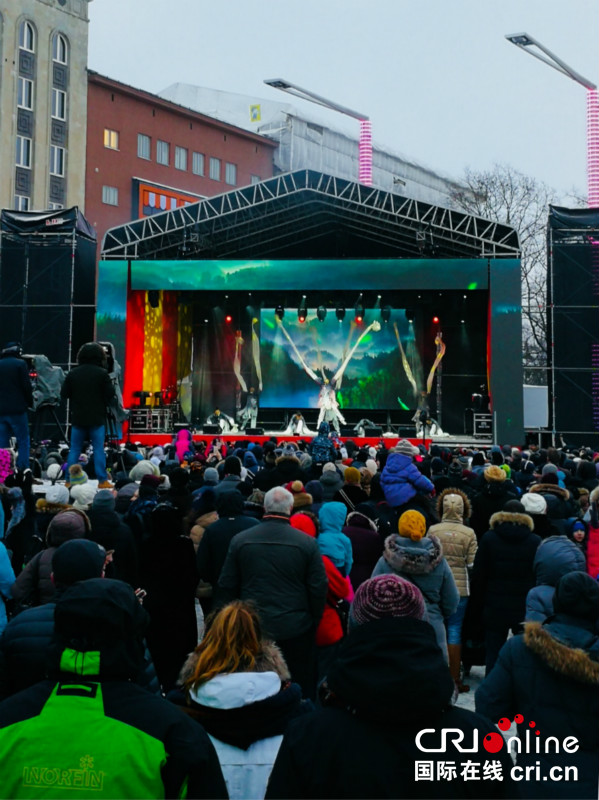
{"x":111,"y":139}
{"x":143,"y":146}
{"x":21,"y":203}
{"x":27,"y":37}
{"x":59,"y":104}
{"x":197,"y":163}
{"x":57,"y":160}
{"x":180,"y":158}
{"x":162,"y":153}
{"x":23,"y":155}
{"x":231,"y":174}
{"x":110,"y":195}
{"x":59,"y":50}
{"x":55,"y":206}
{"x":25,"y":94}
{"x":255,"y":179}
{"x":215,"y":169}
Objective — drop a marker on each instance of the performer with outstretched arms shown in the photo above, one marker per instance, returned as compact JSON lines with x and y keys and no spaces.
{"x":327,"y":398}
{"x":224,"y":422}
{"x":248,"y":416}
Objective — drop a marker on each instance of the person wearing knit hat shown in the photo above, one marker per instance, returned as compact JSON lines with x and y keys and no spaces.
{"x":83,"y":496}
{"x":143,"y":468}
{"x":405,"y":447}
{"x":535,"y":506}
{"x":76,"y":475}
{"x":104,"y":500}
{"x":152,"y":481}
{"x":78,"y":560}
{"x":301,"y":498}
{"x":57,"y":494}
{"x":386,"y":596}
{"x":54,"y":472}
{"x":550,"y":675}
{"x":494,"y":474}
{"x":491,"y":497}
{"x":418,"y":557}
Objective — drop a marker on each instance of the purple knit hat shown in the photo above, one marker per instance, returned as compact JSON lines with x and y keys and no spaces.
{"x":5,"y":464}
{"x":386,"y":596}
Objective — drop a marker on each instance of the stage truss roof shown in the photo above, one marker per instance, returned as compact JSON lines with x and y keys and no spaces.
{"x":307,"y":214}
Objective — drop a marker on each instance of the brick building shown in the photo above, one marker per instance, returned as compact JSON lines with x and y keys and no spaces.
{"x":146,"y":155}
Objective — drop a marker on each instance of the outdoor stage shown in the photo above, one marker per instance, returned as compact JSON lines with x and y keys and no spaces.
{"x":304,"y":279}
{"x":161,"y":439}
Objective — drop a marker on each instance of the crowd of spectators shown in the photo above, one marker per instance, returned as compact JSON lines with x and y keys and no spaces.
{"x":284,"y":619}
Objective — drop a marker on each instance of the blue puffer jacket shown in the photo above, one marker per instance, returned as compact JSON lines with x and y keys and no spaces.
{"x":555,"y":556}
{"x":7,"y":578}
{"x":401,"y":480}
{"x":332,"y":542}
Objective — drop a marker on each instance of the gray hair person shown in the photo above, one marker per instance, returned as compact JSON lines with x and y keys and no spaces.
{"x":278,"y":501}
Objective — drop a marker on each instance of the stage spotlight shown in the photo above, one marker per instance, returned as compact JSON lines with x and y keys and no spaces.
{"x":359,"y":313}
{"x":410,"y":315}
{"x":228,"y":319}
{"x":302,"y":311}
{"x":280,"y":311}
{"x":321,"y":313}
{"x":340,"y":313}
{"x":386,"y":313}
{"x":436,"y":320}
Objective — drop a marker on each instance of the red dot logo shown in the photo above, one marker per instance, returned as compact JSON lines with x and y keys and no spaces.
{"x":493,"y":742}
{"x":504,"y":724}
{"x":531,"y":724}
{"x":518,"y":719}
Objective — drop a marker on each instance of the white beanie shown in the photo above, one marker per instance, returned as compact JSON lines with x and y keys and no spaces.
{"x":371,"y":466}
{"x":53,"y":472}
{"x":83,"y":495}
{"x":534,"y":503}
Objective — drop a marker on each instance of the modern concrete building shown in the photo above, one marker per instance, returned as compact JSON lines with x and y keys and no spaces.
{"x":43,"y":98}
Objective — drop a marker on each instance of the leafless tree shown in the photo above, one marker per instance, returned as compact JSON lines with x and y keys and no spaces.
{"x":506,"y":195}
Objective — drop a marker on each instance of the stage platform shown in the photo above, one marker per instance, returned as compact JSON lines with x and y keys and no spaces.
{"x":148,"y":439}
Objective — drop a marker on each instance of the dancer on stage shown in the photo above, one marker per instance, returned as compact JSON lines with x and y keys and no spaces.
{"x":327,"y":398}
{"x":224,"y":422}
{"x":297,"y":426}
{"x":248,"y":415}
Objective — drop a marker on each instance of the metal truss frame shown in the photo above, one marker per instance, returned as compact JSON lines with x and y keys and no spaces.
{"x":268,"y":218}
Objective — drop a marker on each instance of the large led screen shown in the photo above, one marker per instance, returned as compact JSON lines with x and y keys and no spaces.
{"x":374,"y":376}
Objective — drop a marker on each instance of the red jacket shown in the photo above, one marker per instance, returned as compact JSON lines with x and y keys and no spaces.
{"x":329,"y":628}
{"x":593,"y":540}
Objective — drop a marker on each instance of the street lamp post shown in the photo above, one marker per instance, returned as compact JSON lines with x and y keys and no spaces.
{"x":365,"y":141}
{"x":532,"y":46}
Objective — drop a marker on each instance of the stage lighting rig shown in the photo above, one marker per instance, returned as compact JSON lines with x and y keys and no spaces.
{"x":321,"y":313}
{"x":340,"y":313}
{"x":386,"y":313}
{"x":280,"y":311}
{"x":302,"y":311}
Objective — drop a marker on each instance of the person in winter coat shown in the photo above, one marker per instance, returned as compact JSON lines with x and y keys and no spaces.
{"x":280,"y":570}
{"x":108,"y":530}
{"x":331,"y":481}
{"x":236,"y":684}
{"x":419,"y":558}
{"x":492,"y":497}
{"x":7,"y":579}
{"x":389,"y":682}
{"x":332,"y":542}
{"x":366,"y":543}
{"x":90,"y":728}
{"x":330,"y":630}
{"x":89,"y":390}
{"x":351,"y":493}
{"x":459,"y":548}
{"x":550,"y":676}
{"x":503,"y":575}
{"x":593,"y":537}
{"x":401,"y":479}
{"x":555,"y":556}
{"x":169,"y":575}
{"x":560,"y":505}
{"x":34,"y":585}
{"x":287,"y":468}
{"x":322,"y":448}
{"x":535,"y":506}
{"x":46,"y":508}
{"x":214,"y":544}
{"x":16,"y":396}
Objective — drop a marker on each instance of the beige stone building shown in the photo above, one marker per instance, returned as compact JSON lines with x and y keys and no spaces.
{"x":43,"y":103}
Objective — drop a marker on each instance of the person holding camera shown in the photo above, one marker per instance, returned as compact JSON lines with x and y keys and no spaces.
{"x":89,"y":390}
{"x":16,"y":396}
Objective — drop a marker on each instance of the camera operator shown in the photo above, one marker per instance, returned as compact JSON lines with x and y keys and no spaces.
{"x":16,"y":396}
{"x":89,"y":389}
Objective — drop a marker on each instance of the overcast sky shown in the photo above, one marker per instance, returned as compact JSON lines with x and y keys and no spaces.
{"x":439,"y":81}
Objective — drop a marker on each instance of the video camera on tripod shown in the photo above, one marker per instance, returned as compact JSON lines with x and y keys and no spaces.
{"x":46,"y":380}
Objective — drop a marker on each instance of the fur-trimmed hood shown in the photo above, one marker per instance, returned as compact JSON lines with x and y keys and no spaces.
{"x":511,"y":518}
{"x":270,"y":659}
{"x":42,"y":506}
{"x":416,"y":558}
{"x":594,"y":495}
{"x":283,"y":459}
{"x":355,"y":519}
{"x":550,"y":488}
{"x":573,"y":663}
{"x":451,"y":512}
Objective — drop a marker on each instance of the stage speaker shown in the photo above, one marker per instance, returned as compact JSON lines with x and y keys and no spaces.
{"x":375,"y":430}
{"x":181,"y":426}
{"x":348,"y":430}
{"x":211,"y":429}
{"x":254,"y":431}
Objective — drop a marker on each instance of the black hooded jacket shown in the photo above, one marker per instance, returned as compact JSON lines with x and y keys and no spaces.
{"x":88,"y":388}
{"x":388,"y":682}
{"x":117,"y":723}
